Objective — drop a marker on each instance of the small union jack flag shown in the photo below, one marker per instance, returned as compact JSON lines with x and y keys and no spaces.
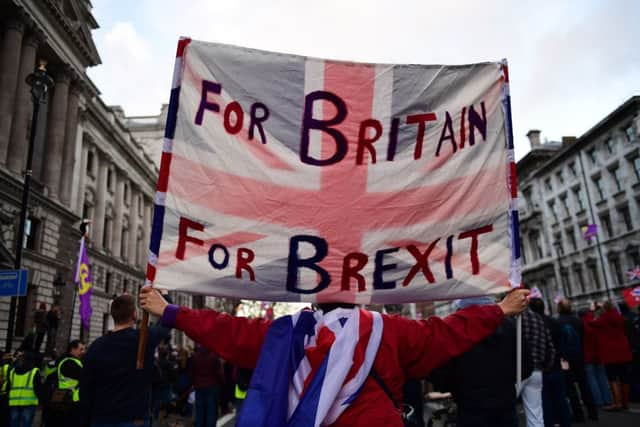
{"x":634,"y":273}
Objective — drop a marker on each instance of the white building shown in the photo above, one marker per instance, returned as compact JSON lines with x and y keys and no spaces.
{"x":563,"y":187}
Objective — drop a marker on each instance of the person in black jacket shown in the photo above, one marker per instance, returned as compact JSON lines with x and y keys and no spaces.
{"x":483,"y":380}
{"x":554,"y":386}
{"x":112,"y":390}
{"x":571,"y":349}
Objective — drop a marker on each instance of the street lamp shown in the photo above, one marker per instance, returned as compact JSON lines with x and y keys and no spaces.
{"x":58,"y":286}
{"x":40,"y":83}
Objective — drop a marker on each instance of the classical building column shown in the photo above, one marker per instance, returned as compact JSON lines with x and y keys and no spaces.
{"x":18,"y":142}
{"x":101,"y":192}
{"x":69,"y":149}
{"x":133,"y":224}
{"x":82,"y":175}
{"x":56,"y":127}
{"x":10,"y":60}
{"x":79,"y":167}
{"x":119,"y":214}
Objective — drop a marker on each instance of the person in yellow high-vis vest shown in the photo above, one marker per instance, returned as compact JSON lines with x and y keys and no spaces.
{"x":5,"y":366}
{"x":64,"y":411}
{"x":24,"y":387}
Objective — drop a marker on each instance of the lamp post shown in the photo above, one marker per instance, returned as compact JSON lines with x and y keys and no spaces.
{"x":40,"y":83}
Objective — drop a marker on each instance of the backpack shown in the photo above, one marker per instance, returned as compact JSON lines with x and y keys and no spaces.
{"x":570,"y":343}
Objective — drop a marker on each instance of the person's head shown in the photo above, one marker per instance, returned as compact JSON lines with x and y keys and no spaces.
{"x":564,"y":306}
{"x":537,"y":305}
{"x":608,"y":306}
{"x":624,"y":309}
{"x":123,"y":310}
{"x":42,"y":306}
{"x":76,"y":349}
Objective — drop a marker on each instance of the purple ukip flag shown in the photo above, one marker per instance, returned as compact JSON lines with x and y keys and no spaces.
{"x":85,"y":285}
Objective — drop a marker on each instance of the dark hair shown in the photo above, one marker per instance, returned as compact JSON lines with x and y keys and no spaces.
{"x":123,"y":309}
{"x":73,"y":345}
{"x":564,"y":306}
{"x":537,"y":305}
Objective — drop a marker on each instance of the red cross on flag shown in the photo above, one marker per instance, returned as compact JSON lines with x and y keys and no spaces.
{"x":292,"y":178}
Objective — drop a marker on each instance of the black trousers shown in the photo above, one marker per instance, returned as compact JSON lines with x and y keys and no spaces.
{"x":577,"y":380}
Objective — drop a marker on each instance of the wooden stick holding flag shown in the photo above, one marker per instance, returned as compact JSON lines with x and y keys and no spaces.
{"x":161,"y":190}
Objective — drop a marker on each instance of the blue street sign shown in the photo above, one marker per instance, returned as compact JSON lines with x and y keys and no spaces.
{"x":13,"y":283}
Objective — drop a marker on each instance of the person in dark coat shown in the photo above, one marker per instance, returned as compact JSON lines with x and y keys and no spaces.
{"x":554,"y":386}
{"x":482,"y":380}
{"x":206,"y":377}
{"x":571,"y":349}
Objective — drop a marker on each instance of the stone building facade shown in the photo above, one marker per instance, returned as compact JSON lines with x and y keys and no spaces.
{"x":567,"y":185}
{"x":86,"y":164}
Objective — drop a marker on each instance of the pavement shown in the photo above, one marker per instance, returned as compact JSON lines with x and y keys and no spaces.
{"x":630,"y":418}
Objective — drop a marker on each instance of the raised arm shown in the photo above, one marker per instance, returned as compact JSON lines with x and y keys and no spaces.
{"x":428,"y":344}
{"x":235,"y":339}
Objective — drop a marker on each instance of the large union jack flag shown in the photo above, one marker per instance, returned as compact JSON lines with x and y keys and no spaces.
{"x":292,"y":178}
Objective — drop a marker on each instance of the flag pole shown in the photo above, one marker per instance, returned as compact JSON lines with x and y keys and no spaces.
{"x":514,"y":222}
{"x":161,"y":190}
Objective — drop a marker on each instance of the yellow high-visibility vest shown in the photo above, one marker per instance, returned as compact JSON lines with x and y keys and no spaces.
{"x":4,"y":378}
{"x":65,"y":383}
{"x":240,"y":394}
{"x":21,"y":392}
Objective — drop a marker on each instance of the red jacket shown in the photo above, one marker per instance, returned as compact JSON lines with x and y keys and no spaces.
{"x":205,"y":369}
{"x":408,"y":349}
{"x":613,"y":346}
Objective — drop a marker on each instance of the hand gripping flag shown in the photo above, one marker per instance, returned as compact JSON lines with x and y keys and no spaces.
{"x":311,"y":367}
{"x":290,"y":178}
{"x":85,"y":287}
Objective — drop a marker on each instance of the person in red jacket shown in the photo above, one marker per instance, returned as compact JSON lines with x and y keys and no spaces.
{"x":206,"y":377}
{"x":596,"y":375}
{"x":614,"y":352}
{"x":407,"y":348}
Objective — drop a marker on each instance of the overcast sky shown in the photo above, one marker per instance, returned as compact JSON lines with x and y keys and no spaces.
{"x":571,"y":62}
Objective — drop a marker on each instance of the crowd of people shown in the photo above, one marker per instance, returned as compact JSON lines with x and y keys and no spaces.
{"x":102,"y":387}
{"x":574,"y":366}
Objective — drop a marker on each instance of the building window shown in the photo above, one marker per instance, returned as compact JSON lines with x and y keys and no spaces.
{"x":625,"y":215}
{"x":125,"y":194}
{"x":610,"y":144}
{"x":572,"y":238}
{"x":605,"y":221}
{"x":108,"y":282}
{"x":557,"y":243}
{"x":636,"y":167}
{"x":560,"y":177}
{"x":618,"y":177}
{"x":634,"y":256}
{"x":90,"y":161}
{"x":547,"y":184}
{"x":580,"y":278}
{"x":106,"y":233}
{"x":599,"y":187}
{"x":593,"y":275}
{"x":565,"y":206}
{"x":566,"y":283}
{"x":110,"y":180}
{"x":537,"y":246}
{"x":593,"y":156}
{"x":628,"y":133}
{"x":523,"y":254}
{"x":579,"y":198}
{"x":573,"y":170}
{"x":124,"y":243}
{"x":617,"y":270}
{"x":31,"y":232}
{"x":554,"y":210}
